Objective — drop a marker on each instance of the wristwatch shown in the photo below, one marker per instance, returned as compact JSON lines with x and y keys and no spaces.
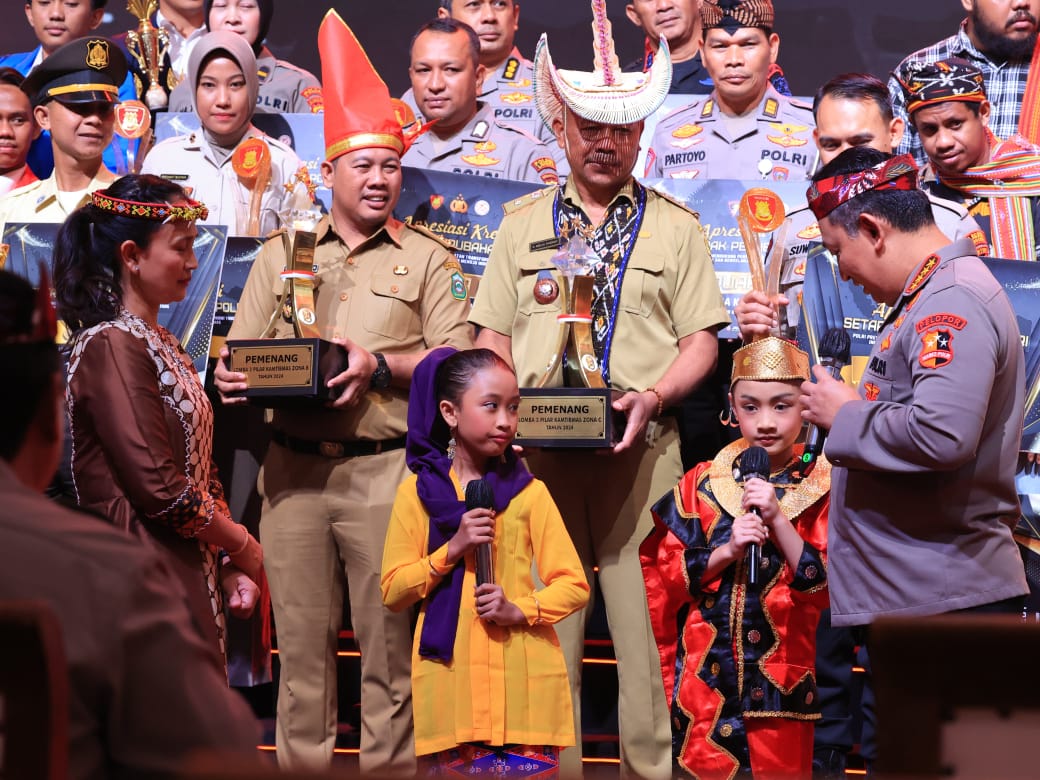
{"x":381,"y":376}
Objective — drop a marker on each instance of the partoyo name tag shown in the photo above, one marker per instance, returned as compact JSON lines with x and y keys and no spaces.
{"x":287,"y":372}
{"x":565,"y":417}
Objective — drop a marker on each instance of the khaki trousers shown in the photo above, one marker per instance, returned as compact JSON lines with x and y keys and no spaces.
{"x":323,"y":526}
{"x":605,"y":501}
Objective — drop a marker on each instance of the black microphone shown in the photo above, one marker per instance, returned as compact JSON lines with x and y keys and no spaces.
{"x":479,"y":496}
{"x":835,"y":354}
{"x":754,"y":462}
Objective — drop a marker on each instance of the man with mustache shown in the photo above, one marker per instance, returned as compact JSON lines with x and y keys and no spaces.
{"x":655,"y":310}
{"x":744,"y":129}
{"x":679,"y":21}
{"x":998,"y":37}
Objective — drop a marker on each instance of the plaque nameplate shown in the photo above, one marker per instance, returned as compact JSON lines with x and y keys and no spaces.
{"x":287,"y":372}
{"x":566,"y":417}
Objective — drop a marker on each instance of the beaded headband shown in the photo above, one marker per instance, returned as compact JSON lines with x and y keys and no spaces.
{"x":895,"y":173}
{"x":189,"y":211}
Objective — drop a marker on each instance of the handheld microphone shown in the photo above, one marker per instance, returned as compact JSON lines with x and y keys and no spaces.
{"x":835,"y":354}
{"x":754,"y":462}
{"x":479,"y":496}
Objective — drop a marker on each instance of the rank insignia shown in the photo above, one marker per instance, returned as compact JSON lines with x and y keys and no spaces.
{"x":709,"y":106}
{"x":480,"y":129}
{"x":772,"y":108}
{"x":546,"y":290}
{"x":926,"y":270}
{"x":458,"y":286}
{"x":811,"y":233}
{"x":936,"y":348}
{"x":871,"y":391}
{"x":510,"y":69}
{"x":517,"y":98}
{"x":480,"y":159}
{"x":436,"y":201}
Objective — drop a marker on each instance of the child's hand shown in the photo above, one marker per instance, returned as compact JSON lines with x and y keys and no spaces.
{"x":747,"y":529}
{"x":477,"y":527}
{"x":760,"y":494}
{"x":493,"y":606}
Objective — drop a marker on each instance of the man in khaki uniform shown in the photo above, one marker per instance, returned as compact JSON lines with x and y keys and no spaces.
{"x":744,"y":129}
{"x":73,"y":93}
{"x":656,"y":307}
{"x":465,"y":136}
{"x":387,"y":294}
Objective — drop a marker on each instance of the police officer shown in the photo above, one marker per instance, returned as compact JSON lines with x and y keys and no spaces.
{"x":465,"y":137}
{"x":388,"y":294}
{"x":284,"y":88}
{"x":679,"y":21}
{"x":744,"y":129}
{"x":73,"y":93}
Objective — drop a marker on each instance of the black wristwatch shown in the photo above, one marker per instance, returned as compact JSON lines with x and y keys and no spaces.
{"x":381,"y":376}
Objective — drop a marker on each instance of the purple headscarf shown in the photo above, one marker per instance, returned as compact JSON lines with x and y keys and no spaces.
{"x":426,"y":456}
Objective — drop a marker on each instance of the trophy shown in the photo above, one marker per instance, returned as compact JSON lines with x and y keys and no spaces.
{"x":579,"y":413}
{"x":283,"y":372}
{"x":762,"y":211}
{"x":148,"y":45}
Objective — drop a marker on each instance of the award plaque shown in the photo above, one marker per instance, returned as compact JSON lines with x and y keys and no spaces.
{"x":579,"y":414}
{"x":295,"y":371}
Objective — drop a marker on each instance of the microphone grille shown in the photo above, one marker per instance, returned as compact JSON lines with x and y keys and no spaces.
{"x":479,"y":495}
{"x":836,"y":345}
{"x":754,"y":461}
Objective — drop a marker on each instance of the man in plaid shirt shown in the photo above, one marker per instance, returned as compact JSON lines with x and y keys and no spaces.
{"x":997,"y":36}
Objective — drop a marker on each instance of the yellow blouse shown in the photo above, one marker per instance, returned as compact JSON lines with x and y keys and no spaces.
{"x":504,"y":684}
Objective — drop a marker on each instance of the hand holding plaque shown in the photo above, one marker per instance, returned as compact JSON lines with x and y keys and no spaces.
{"x":291,"y":371}
{"x":579,"y":413}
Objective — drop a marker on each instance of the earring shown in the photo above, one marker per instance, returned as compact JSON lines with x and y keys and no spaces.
{"x":451,"y":447}
{"x":726,"y":418}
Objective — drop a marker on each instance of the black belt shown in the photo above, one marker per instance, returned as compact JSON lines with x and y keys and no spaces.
{"x":335,"y":449}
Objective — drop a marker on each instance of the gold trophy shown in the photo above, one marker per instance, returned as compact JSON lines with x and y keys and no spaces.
{"x":148,"y":45}
{"x":579,"y":413}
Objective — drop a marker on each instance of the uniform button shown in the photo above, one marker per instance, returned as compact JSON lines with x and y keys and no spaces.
{"x":394,"y":288}
{"x":757,"y":694}
{"x":342,"y":296}
{"x":350,"y":261}
{"x":810,"y":697}
{"x":709,"y":602}
{"x":715,"y":668}
{"x":725,"y":730}
{"x":753,"y":636}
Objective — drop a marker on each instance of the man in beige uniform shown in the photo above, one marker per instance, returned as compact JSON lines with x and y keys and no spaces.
{"x":387,"y":294}
{"x":465,"y":136}
{"x":656,"y":308}
{"x":73,"y":93}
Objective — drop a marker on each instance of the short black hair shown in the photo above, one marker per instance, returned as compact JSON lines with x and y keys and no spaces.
{"x":11,"y":77}
{"x":450,"y":26}
{"x":856,"y":86}
{"x":906,"y":210}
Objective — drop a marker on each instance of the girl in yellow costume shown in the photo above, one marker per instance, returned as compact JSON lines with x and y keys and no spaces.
{"x":737,"y":659}
{"x":489,"y":683}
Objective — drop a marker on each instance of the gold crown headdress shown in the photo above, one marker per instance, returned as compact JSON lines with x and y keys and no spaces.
{"x":770,"y":360}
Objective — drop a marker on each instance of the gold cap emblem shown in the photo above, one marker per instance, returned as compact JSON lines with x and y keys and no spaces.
{"x":97,"y":54}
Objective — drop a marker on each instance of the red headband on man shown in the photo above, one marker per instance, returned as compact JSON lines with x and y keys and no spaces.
{"x":896,"y":173}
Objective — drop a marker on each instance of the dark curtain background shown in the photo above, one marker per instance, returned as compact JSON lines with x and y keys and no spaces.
{"x":819,"y":38}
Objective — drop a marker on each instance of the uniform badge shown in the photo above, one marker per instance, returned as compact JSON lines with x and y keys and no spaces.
{"x":871,"y":391}
{"x":886,"y":343}
{"x":589,"y":363}
{"x":458,"y":286}
{"x":685,"y":136}
{"x":480,"y":159}
{"x":690,"y":173}
{"x":459,"y":205}
{"x":781,"y":174}
{"x":263,"y":73}
{"x":306,"y":316}
{"x":451,"y":264}
{"x":772,"y":108}
{"x":811,"y":233}
{"x":545,"y":167}
{"x":480,"y":129}
{"x":786,"y":135}
{"x":511,"y":67}
{"x":400,"y":270}
{"x":709,"y":106}
{"x":978,"y":238}
{"x":97,"y":54}
{"x":799,"y":270}
{"x":485,"y":146}
{"x":546,"y":290}
{"x":316,"y":102}
{"x":436,"y":201}
{"x":517,"y":98}
{"x":943,"y":319}
{"x":927,"y":269}
{"x":936,"y":348}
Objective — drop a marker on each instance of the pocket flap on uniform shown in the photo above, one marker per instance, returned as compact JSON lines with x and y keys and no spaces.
{"x":402,"y":287}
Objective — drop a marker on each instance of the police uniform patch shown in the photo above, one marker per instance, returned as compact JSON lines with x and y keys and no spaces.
{"x":485,"y":146}
{"x":978,"y":238}
{"x":886,"y":343}
{"x":810,"y":233}
{"x":458,"y":286}
{"x":936,"y":348}
{"x":871,"y":391}
{"x":316,"y":101}
{"x":517,"y":98}
{"x":480,"y":159}
{"x":772,"y":108}
{"x":545,"y":167}
{"x":781,"y":174}
{"x":786,"y":135}
{"x":943,"y":319}
{"x":263,"y":73}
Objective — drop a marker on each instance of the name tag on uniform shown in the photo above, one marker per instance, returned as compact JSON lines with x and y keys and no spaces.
{"x":544,"y":244}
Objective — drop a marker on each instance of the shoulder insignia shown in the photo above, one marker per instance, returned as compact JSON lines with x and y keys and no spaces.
{"x":674,"y":201}
{"x":480,"y":129}
{"x":772,"y":108}
{"x":516,"y":204}
{"x":941,"y":319}
{"x":545,"y":167}
{"x":923,"y":273}
{"x":510,"y":69}
{"x":709,"y":106}
{"x":425,"y":231}
{"x":264,"y":73}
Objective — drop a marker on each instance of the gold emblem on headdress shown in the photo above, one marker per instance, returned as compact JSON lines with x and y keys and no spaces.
{"x":97,"y":54}
{"x":770,"y":360}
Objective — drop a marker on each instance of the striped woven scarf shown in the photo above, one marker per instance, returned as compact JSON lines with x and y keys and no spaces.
{"x":1029,"y":119}
{"x":1010,"y":177}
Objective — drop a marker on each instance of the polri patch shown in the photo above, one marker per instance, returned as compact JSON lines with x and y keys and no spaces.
{"x":936,"y":348}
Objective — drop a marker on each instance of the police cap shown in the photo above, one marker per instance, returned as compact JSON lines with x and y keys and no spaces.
{"x":86,"y":70}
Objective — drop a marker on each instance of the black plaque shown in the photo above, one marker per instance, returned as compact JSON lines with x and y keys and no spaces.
{"x":287,"y":372}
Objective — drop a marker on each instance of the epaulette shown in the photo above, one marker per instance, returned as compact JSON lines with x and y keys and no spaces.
{"x":516,"y":204}
{"x":799,"y":104}
{"x":289,"y":66}
{"x":689,"y":107}
{"x":519,"y":131}
{"x":673,"y":200}
{"x":423,"y":230}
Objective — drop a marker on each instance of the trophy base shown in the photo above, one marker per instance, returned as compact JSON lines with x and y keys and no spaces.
{"x":287,"y":372}
{"x":568,"y":417}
